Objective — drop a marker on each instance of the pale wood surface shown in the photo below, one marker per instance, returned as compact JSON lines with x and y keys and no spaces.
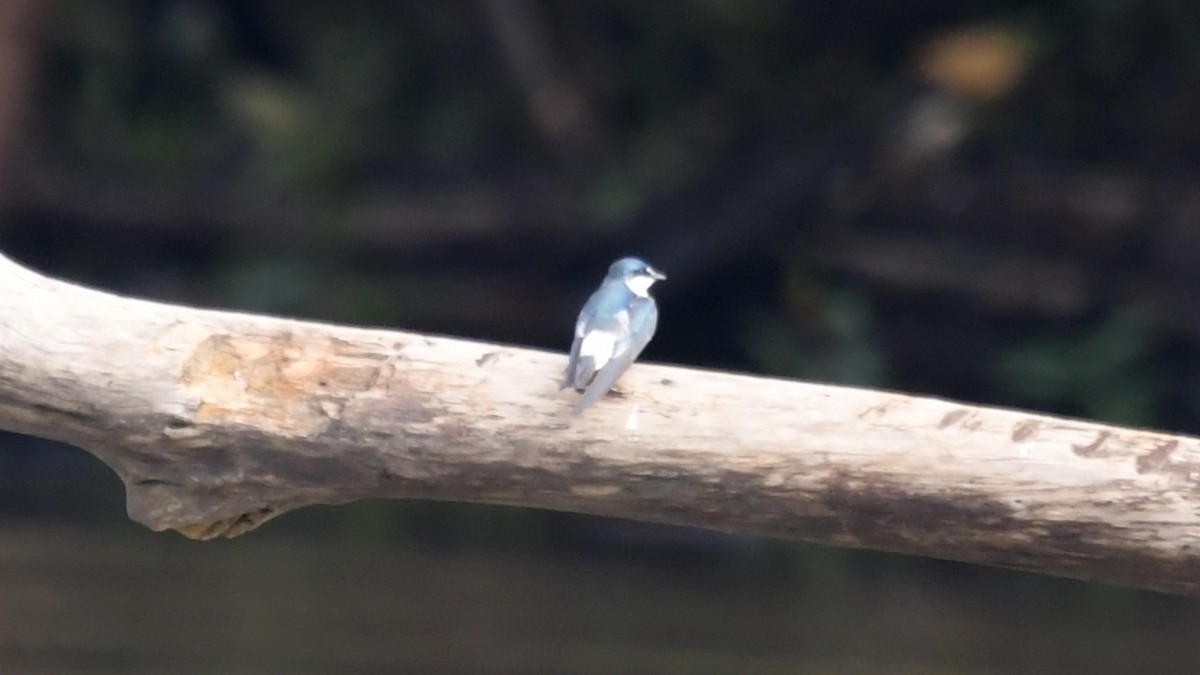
{"x":218,"y":421}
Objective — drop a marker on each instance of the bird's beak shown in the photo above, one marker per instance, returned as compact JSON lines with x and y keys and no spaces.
{"x":655,"y":274}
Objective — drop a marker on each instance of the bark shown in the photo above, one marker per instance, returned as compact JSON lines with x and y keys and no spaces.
{"x":219,"y":421}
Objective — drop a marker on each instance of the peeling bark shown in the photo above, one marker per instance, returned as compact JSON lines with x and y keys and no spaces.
{"x":219,"y":421}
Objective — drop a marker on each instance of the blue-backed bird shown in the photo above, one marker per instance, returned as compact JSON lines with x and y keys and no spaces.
{"x":613,"y":328}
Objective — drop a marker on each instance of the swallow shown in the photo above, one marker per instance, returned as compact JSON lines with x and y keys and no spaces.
{"x":612,"y":330}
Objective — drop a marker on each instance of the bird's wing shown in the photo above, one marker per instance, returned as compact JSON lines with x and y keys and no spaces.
{"x":643,"y":319}
{"x":571,"y":379}
{"x":580,"y":366}
{"x":597,"y":331}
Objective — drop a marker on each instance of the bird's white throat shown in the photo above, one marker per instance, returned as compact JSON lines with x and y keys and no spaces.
{"x":640,"y":285}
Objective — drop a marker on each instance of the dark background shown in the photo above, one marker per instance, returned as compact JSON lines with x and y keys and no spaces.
{"x":996,"y":202}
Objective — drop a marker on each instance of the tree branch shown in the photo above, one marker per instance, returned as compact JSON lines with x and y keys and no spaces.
{"x":218,"y":421}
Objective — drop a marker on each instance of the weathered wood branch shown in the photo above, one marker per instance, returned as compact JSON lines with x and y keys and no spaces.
{"x":218,"y":421}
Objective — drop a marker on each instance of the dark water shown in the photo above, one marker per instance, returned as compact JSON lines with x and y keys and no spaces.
{"x":118,"y":599}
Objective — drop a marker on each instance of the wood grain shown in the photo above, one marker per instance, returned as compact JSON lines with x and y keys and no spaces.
{"x":219,"y":421}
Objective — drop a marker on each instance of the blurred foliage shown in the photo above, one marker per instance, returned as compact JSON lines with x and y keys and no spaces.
{"x":835,"y":343}
{"x":1104,"y":371}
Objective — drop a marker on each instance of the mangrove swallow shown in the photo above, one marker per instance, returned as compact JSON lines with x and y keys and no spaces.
{"x":613,"y":328}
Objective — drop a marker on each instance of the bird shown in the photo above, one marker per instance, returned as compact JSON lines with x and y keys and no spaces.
{"x":614,"y":326}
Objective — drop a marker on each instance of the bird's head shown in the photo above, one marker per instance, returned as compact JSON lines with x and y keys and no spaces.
{"x":636,"y":274}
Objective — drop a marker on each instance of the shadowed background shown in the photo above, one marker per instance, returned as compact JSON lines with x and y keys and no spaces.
{"x":996,"y":203}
